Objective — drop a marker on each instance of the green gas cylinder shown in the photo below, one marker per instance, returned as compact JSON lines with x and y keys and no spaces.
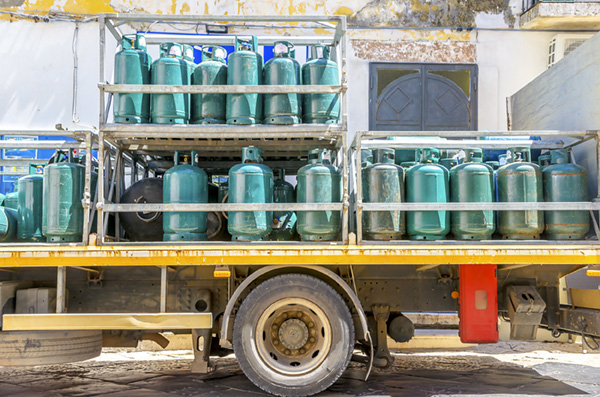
{"x":472,"y":182}
{"x":563,"y":182}
{"x":2,"y":197}
{"x":188,"y":58}
{"x":319,"y":182}
{"x":132,"y":66}
{"x":544,"y":160}
{"x":185,"y":183}
{"x":8,"y":224}
{"x":12,"y":199}
{"x":407,"y":164}
{"x":284,"y":222}
{"x":245,"y":68}
{"x":427,"y":182}
{"x":250,"y":182}
{"x":520,"y":181}
{"x":448,"y":163}
{"x":383,"y":182}
{"x":282,"y":69}
{"x":64,"y":183}
{"x":30,"y":199}
{"x":170,"y":69}
{"x":494,"y":164}
{"x":366,"y":157}
{"x":210,"y":108}
{"x":320,"y":70}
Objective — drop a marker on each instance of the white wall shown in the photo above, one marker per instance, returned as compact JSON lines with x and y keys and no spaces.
{"x":37,"y":70}
{"x":36,"y":88}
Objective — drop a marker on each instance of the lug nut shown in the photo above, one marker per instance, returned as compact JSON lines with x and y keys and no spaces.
{"x":287,"y":352}
{"x":302,"y":351}
{"x":311,"y":324}
{"x":311,"y":339}
{"x":275,"y":342}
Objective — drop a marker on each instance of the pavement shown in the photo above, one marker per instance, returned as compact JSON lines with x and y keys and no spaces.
{"x":513,"y":368}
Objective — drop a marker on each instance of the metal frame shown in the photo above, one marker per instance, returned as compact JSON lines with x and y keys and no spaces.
{"x":372,"y":140}
{"x":83,"y":140}
{"x":137,"y":141}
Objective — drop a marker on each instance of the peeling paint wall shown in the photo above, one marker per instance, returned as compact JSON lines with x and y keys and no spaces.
{"x":391,"y":13}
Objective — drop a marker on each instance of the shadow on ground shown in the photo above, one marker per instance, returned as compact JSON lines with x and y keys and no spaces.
{"x":410,"y":376}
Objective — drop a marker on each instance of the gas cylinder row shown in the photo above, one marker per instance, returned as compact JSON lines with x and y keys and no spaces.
{"x":176,"y":66}
{"x":252,"y":182}
{"x":472,"y":181}
{"x":48,"y":207}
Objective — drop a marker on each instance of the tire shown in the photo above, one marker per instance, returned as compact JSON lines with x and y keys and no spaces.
{"x":19,"y":348}
{"x":310,"y":341}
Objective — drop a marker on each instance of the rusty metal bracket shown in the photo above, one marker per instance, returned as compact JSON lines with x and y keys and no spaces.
{"x":383,"y":358}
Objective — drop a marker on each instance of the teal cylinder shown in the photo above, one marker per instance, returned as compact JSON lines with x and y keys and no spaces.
{"x":62,"y":219}
{"x":544,"y":160}
{"x":520,"y":181}
{"x":188,"y":58}
{"x":564,"y":181}
{"x":210,"y":108}
{"x":449,"y":163}
{"x":2,"y":197}
{"x":472,"y":182}
{"x":494,"y":164}
{"x":319,"y":182}
{"x":185,"y":184}
{"x":284,"y":222}
{"x":245,"y":68}
{"x":30,"y":210}
{"x":427,"y":182}
{"x":12,"y":199}
{"x":320,"y":70}
{"x":8,"y":224}
{"x":250,"y":182}
{"x":366,"y":157}
{"x":383,"y":182}
{"x":283,"y":69}
{"x":170,"y":69}
{"x":132,"y":66}
{"x":407,"y":164}
{"x":405,"y":155}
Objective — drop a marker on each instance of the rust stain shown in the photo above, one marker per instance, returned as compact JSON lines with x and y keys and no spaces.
{"x":416,"y":51}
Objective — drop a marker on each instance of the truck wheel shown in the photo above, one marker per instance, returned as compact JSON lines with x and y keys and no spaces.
{"x":48,"y":347}
{"x":293,"y":335}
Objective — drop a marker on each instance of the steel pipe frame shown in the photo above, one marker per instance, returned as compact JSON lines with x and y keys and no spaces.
{"x":223,"y":89}
{"x":335,"y":132}
{"x":241,"y":207}
{"x":363,"y":139}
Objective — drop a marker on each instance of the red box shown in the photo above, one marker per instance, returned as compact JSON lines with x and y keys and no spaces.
{"x":478,"y":300}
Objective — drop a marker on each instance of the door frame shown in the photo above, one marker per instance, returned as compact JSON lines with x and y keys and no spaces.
{"x":424,"y":68}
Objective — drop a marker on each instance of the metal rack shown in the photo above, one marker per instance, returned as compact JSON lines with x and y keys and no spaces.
{"x":457,"y":140}
{"x":218,"y":146}
{"x":82,"y":140}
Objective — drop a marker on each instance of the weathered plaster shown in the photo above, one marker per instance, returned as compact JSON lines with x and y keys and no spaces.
{"x":415,"y":51}
{"x":389,"y":13}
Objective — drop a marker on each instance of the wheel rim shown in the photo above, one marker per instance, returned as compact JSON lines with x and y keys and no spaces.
{"x":293,"y":336}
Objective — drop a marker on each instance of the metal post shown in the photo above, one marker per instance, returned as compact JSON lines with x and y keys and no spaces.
{"x":61,"y":289}
{"x":119,"y":169}
{"x":163,"y":289}
{"x":88,"y":181}
{"x":346,"y":193}
{"x":359,"y":192}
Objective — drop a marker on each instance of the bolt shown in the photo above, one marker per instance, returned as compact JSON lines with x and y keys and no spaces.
{"x":300,"y":314}
{"x":287,"y":352}
{"x":274,"y":326}
{"x":275,"y":342}
{"x":312,"y":340}
{"x":313,"y":332}
{"x":302,"y":351}
{"x":274,"y":334}
{"x":284,"y":315}
{"x":311,"y":324}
